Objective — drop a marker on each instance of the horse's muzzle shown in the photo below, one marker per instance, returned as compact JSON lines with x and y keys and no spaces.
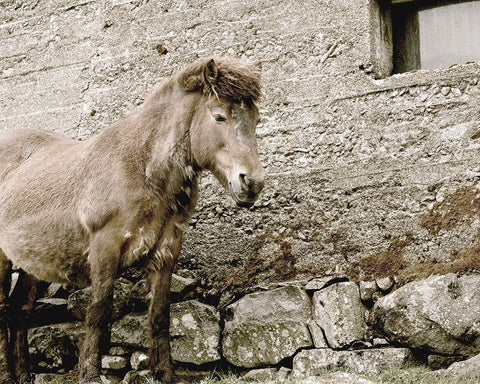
{"x":249,"y":189}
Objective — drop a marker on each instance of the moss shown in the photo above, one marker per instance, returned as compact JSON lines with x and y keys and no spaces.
{"x":461,"y":206}
{"x":385,"y":263}
{"x":390,"y":262}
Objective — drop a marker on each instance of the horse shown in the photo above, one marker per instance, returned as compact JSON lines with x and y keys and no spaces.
{"x":80,"y":212}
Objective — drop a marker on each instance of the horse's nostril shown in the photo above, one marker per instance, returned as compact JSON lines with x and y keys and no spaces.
{"x":243,"y":180}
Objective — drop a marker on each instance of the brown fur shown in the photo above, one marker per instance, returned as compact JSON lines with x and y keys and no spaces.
{"x":77,"y":212}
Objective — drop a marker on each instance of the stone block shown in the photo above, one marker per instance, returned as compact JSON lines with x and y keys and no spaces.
{"x":265,"y":327}
{"x":339,"y":311}
{"x":317,"y":361}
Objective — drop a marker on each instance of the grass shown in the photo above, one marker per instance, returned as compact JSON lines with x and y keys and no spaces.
{"x":411,"y":375}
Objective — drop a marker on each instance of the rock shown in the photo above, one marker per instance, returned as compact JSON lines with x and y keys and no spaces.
{"x":54,"y":347}
{"x":52,"y":378}
{"x":56,"y":290}
{"x":262,"y":374}
{"x":131,"y":331}
{"x":137,"y":377}
{"x":318,"y":337}
{"x":118,"y":351}
{"x":195,"y":332}
{"x":318,"y":283}
{"x":180,"y":286}
{"x":139,"y":361}
{"x":114,"y":363}
{"x":339,"y":311}
{"x":263,"y":328}
{"x":440,"y":314}
{"x":385,"y":283}
{"x":335,"y":378}
{"x":462,"y":370}
{"x":380,"y":342}
{"x":317,"y":361}
{"x":79,"y":300}
{"x":367,"y":289}
{"x":435,"y":362}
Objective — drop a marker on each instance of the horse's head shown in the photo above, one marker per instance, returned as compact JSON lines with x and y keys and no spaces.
{"x":223,"y":129}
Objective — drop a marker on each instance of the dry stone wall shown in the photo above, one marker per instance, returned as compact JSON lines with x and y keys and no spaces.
{"x":279,"y":332}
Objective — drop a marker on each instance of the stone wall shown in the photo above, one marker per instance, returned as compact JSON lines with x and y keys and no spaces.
{"x":357,"y":168}
{"x":297,"y":329}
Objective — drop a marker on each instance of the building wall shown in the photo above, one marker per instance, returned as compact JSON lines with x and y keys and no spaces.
{"x":357,"y":168}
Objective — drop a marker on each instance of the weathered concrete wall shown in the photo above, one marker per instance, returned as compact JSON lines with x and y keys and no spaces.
{"x":354,"y":164}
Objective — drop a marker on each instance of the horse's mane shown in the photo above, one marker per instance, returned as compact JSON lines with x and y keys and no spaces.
{"x":237,"y":80}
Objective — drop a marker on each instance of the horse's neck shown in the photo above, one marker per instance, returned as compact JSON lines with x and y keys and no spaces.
{"x":165,"y":136}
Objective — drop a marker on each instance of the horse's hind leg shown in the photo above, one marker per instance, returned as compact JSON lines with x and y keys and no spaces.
{"x":22,"y":301}
{"x":5,"y":281}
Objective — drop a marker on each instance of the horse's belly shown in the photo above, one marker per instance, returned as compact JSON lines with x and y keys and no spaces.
{"x":59,"y":258}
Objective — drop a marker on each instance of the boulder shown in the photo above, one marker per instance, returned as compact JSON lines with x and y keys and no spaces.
{"x":314,"y":362}
{"x":194,"y":332}
{"x":440,"y":314}
{"x":263,"y":328}
{"x":339,"y":311}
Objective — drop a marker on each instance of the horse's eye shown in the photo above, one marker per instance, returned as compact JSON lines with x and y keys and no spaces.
{"x":219,"y":118}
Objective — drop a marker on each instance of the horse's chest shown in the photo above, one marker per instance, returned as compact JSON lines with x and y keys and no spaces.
{"x":138,"y":243}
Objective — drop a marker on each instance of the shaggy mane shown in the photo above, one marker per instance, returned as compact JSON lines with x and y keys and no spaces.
{"x":237,"y":80}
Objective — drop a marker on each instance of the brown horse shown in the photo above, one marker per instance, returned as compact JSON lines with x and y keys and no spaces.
{"x":77,"y":212}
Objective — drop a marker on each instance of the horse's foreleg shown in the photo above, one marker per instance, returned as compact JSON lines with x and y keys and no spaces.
{"x":159,"y":315}
{"x":103,"y":259}
{"x":5,"y":279}
{"x":22,"y":302}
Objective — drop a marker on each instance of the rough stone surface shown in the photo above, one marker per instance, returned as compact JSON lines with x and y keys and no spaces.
{"x":385,"y":283}
{"x":265,"y":327}
{"x":130,"y":331}
{"x":440,"y":314}
{"x":318,"y":283}
{"x":468,"y":369}
{"x":139,"y":361}
{"x":317,"y":361}
{"x":339,"y":311}
{"x":114,"y":362}
{"x":194,"y":332}
{"x":435,"y":362}
{"x":367,"y":289}
{"x":54,"y":347}
{"x":335,"y":378}
{"x":135,"y":377}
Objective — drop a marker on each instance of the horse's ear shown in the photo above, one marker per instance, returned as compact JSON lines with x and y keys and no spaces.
{"x":210,"y":73}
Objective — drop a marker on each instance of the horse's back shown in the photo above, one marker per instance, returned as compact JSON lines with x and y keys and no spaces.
{"x":18,"y":145}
